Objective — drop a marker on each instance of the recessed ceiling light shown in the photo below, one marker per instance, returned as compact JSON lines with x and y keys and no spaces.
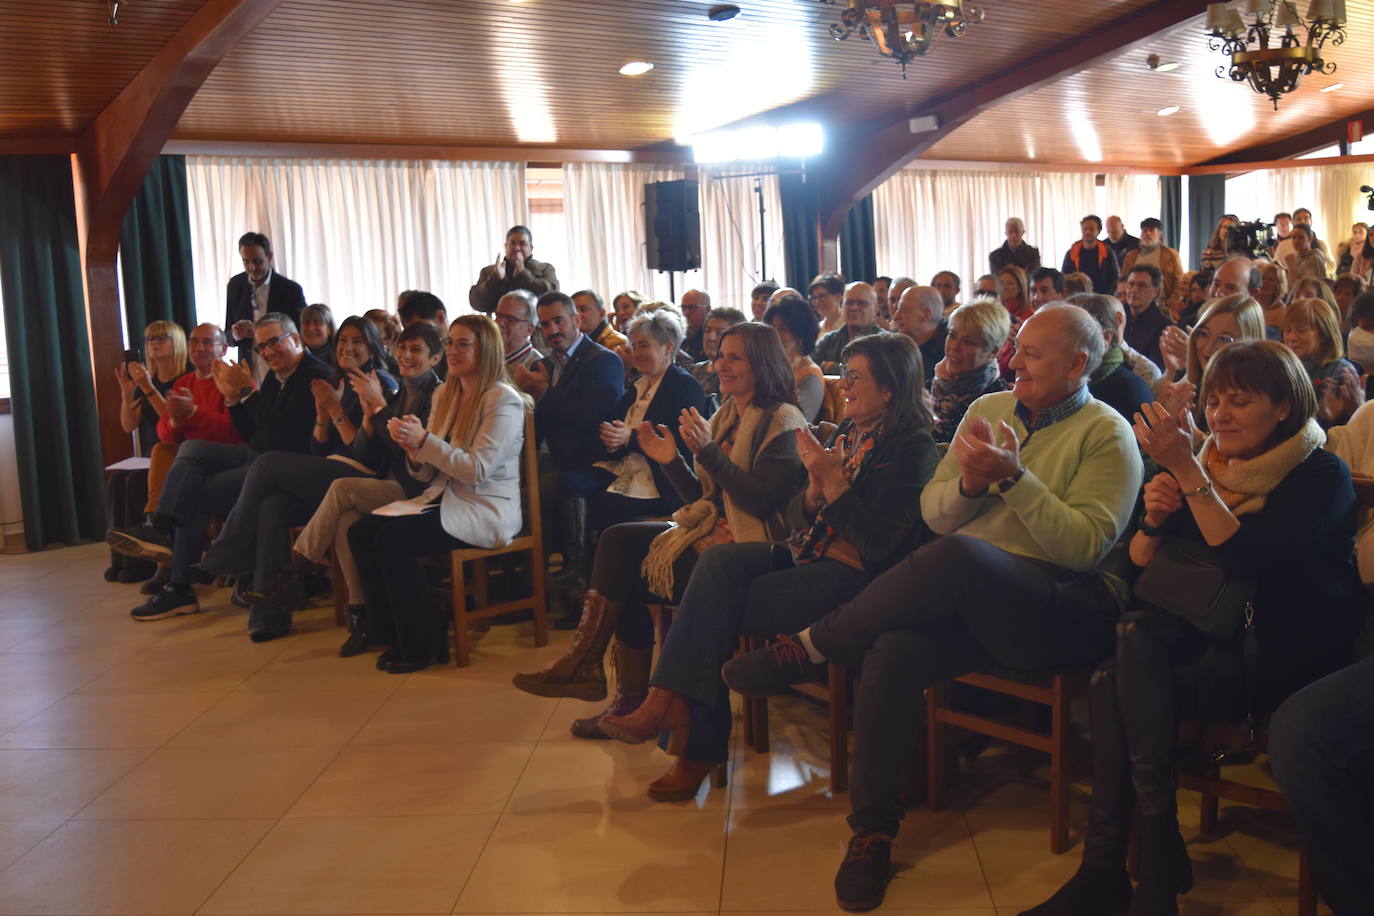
{"x":1167,"y":66}
{"x":1165,"y":112}
{"x":1332,"y":88}
{"x":1159,"y":65}
{"x":636,"y":68}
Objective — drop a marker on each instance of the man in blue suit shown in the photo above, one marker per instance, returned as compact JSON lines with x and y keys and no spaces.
{"x":256,"y":292}
{"x":576,"y":388}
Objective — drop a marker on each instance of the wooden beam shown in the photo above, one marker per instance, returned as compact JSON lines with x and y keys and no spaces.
{"x":858,"y":164}
{"x":37,"y":146}
{"x":1239,"y":167}
{"x":112,"y":157}
{"x":1328,"y":134}
{"x":277,"y":149}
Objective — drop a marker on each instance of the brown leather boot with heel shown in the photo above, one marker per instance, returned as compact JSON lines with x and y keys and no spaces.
{"x":580,"y":673}
{"x":661,"y":711}
{"x":684,"y":778}
{"x":631,"y":685}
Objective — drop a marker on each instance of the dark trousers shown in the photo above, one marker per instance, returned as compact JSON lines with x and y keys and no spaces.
{"x":396,"y":589}
{"x":735,"y":591}
{"x":606,"y":509}
{"x":204,"y":481}
{"x":282,"y":489}
{"x":953,"y":606}
{"x":1321,"y":747}
{"x":126,"y":496}
{"x":615,"y":574}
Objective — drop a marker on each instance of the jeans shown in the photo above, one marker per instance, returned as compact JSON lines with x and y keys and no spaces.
{"x":734,"y":591}
{"x":204,"y":481}
{"x":952,"y":606}
{"x":1321,"y":748}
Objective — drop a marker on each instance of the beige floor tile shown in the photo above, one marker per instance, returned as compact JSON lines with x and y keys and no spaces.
{"x":1289,"y":907}
{"x":419,"y":779}
{"x":479,"y":713}
{"x":306,"y":667}
{"x":75,"y":634}
{"x":300,"y":719}
{"x":355,"y":865}
{"x":127,"y":867}
{"x":790,"y":775}
{"x":15,"y":630}
{"x":58,"y":783}
{"x":1190,"y":907}
{"x":61,"y":672}
{"x":102,"y":720}
{"x":589,"y":777}
{"x":568,"y":710}
{"x":617,"y":863}
{"x":779,"y":860}
{"x":202,"y":667}
{"x":17,"y":708}
{"x":222,"y":782}
{"x":18,"y":837}
{"x":1013,"y":845}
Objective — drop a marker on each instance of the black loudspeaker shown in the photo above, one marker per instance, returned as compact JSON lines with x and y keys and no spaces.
{"x":672,"y":222}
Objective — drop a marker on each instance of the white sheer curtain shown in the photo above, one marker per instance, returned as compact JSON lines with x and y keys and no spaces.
{"x":603,"y":208}
{"x":731,"y":250}
{"x":1331,"y":192}
{"x":353,"y":233}
{"x":927,"y":220}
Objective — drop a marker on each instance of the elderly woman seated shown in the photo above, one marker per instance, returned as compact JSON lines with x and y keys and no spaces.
{"x":740,"y":487}
{"x":864,"y":513}
{"x":977,"y":333}
{"x":1265,"y":499}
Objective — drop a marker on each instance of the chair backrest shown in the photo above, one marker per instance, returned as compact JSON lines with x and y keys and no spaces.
{"x":832,"y":406}
{"x":529,"y":475}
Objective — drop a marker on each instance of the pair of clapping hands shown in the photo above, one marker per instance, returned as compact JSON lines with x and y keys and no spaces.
{"x":657,"y":442}
{"x":366,"y":385}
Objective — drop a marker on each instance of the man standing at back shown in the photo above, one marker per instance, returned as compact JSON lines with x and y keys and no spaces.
{"x":695,"y":305}
{"x":515,"y":268}
{"x":1119,"y":240}
{"x":254,"y":293}
{"x":1152,"y":250}
{"x":1091,"y":256}
{"x":1014,"y":251}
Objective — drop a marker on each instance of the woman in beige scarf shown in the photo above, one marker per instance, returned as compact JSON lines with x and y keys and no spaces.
{"x":744,"y":484}
{"x":1279,"y":511}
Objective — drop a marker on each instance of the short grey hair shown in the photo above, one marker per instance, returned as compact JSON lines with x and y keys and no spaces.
{"x":1084,"y":335}
{"x":1016,"y":221}
{"x":287,"y":325}
{"x":663,"y":325}
{"x":528,"y":299}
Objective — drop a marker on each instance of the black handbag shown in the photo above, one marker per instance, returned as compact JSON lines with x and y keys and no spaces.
{"x":1186,"y":579}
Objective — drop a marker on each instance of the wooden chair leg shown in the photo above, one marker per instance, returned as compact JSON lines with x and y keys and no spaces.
{"x":761,"y":739}
{"x":481,"y":581}
{"x":1060,"y":767}
{"x":462,"y":642}
{"x":539,"y":598}
{"x":936,"y":697}
{"x":839,"y":729}
{"x":1307,"y":888}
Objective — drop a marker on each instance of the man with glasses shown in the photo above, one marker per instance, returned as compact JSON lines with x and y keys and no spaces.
{"x":515,"y":318}
{"x":254,"y":293}
{"x":695,"y":305}
{"x":205,"y":478}
{"x":860,"y":311}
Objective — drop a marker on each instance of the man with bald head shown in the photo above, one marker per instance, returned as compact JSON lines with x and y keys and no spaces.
{"x":1038,"y":484}
{"x":695,"y":305}
{"x":859,"y":309}
{"x":1236,"y":276}
{"x":920,"y":315}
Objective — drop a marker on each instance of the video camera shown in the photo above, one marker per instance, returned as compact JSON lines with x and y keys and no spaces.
{"x":1366,"y":189}
{"x":1254,"y":240}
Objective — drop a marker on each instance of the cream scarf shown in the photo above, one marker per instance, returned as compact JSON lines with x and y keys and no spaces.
{"x":698,"y":519}
{"x":1244,"y":484}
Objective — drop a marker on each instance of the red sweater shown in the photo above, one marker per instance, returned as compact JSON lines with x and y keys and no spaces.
{"x":211,"y":419}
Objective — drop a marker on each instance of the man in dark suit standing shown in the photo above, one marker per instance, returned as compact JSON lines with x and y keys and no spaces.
{"x":576,"y":389}
{"x":256,"y":292}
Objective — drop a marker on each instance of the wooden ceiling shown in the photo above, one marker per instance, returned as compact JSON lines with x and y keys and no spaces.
{"x":542,"y":73}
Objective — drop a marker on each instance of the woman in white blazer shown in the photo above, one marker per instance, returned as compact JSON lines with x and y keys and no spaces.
{"x":471,"y":455}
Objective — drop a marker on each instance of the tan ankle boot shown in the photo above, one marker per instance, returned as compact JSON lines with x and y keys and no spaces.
{"x":683,"y":780}
{"x":631,"y":684}
{"x":579,"y":674}
{"x":661,"y":711}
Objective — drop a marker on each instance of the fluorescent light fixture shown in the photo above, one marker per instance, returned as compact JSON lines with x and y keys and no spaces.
{"x":1165,"y":112}
{"x":752,"y":144}
{"x":1333,"y":87}
{"x":1167,"y":66}
{"x":636,"y":68}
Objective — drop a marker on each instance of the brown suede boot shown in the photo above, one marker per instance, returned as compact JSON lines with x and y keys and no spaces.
{"x":661,"y":711}
{"x":631,"y":685}
{"x":579,"y":674}
{"x":682,"y":781}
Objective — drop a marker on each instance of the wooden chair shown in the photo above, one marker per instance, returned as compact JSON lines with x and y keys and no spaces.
{"x":1055,"y":691}
{"x":530,"y":540}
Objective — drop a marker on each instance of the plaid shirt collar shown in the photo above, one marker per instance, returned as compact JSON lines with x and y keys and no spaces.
{"x":1052,"y":415}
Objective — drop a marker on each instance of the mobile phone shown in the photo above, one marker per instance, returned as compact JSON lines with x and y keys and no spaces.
{"x":132,"y":356}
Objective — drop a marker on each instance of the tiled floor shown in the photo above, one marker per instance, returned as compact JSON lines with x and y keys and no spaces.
{"x":176,"y":768}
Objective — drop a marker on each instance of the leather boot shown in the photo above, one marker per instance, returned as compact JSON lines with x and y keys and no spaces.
{"x":358,"y":641}
{"x":682,"y":781}
{"x":631,"y":685}
{"x":579,"y":674}
{"x":661,"y":711}
{"x":1165,"y":869}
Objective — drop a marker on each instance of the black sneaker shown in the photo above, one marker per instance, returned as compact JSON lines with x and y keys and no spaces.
{"x":772,"y":669}
{"x":862,"y":879}
{"x":144,"y":542}
{"x":172,"y":601}
{"x":1100,"y":891}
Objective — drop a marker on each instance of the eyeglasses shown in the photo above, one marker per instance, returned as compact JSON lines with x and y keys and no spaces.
{"x":157,"y":338}
{"x":268,"y":344}
{"x":849,"y":376}
{"x":1219,"y":338}
{"x":465,"y":344}
{"x":509,"y":319}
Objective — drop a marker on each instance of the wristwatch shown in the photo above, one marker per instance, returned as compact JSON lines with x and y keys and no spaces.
{"x":1204,"y":490}
{"x":245,"y":391}
{"x":1007,"y":483}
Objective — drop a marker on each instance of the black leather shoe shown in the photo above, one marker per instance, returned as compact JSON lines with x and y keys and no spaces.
{"x":1100,"y":891}
{"x":861,"y":882}
{"x":406,"y":666}
{"x":772,"y":669}
{"x":385,"y":659}
{"x":112,"y":573}
{"x":357,"y":642}
{"x":267,"y":635}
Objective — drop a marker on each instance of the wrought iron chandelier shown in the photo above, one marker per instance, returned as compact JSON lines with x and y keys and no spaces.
{"x":904,"y":29}
{"x":1265,"y":44}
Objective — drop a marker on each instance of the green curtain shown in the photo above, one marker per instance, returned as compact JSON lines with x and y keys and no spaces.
{"x":155,"y":251}
{"x":1206,"y":204}
{"x":800,"y":229}
{"x":858,"y":251}
{"x":56,"y":427}
{"x":1171,"y":208}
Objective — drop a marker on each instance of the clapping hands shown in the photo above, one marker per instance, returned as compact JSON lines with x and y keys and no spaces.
{"x":984,"y":460}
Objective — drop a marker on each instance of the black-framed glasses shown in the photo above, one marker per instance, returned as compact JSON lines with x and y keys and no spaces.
{"x":157,"y":338}
{"x":848,"y":376}
{"x":268,"y":344}
{"x":509,"y":319}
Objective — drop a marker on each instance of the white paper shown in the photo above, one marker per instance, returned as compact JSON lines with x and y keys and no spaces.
{"x":131,"y":464}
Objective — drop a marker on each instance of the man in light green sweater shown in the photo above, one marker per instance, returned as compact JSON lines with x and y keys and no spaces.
{"x":1037,"y":486}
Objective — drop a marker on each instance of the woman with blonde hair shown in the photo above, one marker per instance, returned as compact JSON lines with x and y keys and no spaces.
{"x":1312,"y":331}
{"x":623,"y":308}
{"x":142,"y":387}
{"x":470,"y":457}
{"x":1273,"y":291}
{"x":1221,"y":322}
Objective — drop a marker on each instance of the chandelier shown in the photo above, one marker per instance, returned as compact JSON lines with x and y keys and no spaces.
{"x":1265,"y":46}
{"x":904,"y":29}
